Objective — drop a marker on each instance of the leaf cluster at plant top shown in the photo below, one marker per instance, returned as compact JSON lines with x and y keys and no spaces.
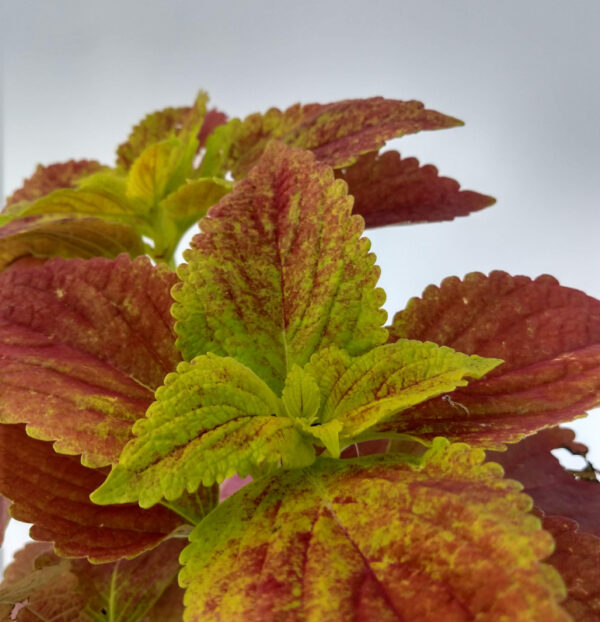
{"x":129,"y":392}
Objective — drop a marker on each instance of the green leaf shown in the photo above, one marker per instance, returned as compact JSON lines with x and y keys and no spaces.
{"x":279,"y":272}
{"x":301,"y":396}
{"x":211,"y":419}
{"x":162,"y":125}
{"x":90,"y":202}
{"x":159,"y":169}
{"x":360,"y":392}
{"x":337,"y":133}
{"x":191,"y":201}
{"x":164,"y":166}
{"x":443,"y":538}
{"x":68,"y":236}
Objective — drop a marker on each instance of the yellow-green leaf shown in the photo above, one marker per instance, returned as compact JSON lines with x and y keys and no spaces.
{"x":375,"y":539}
{"x":360,"y":392}
{"x":280,"y":271}
{"x":213,"y":418}
{"x":192,"y":200}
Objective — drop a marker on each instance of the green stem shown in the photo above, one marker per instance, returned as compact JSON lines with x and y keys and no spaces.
{"x":190,"y":518}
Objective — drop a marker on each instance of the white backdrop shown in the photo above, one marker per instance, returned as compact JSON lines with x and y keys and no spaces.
{"x":523,"y":75}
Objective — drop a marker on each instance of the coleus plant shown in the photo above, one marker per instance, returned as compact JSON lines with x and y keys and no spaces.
{"x":137,"y":401}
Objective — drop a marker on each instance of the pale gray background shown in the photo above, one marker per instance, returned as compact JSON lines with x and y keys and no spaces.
{"x":523,"y":74}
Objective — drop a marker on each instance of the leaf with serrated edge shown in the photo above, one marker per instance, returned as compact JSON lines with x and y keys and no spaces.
{"x":66,"y":235}
{"x":363,"y":391}
{"x":337,"y":133}
{"x":374,"y":539}
{"x":280,"y":271}
{"x":388,"y":189}
{"x":52,"y":492}
{"x":577,"y":558}
{"x":46,"y":179}
{"x":168,"y":123}
{"x":211,"y":419}
{"x":548,"y":336}
{"x":88,"y":340}
{"x":162,"y":167}
{"x":553,"y":489}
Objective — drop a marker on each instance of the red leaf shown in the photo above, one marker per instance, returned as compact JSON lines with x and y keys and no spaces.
{"x":52,"y":492}
{"x":548,"y":336}
{"x":83,"y":345}
{"x":212,"y":120}
{"x":370,"y":540}
{"x":577,"y":558}
{"x":53,"y":177}
{"x":389,"y":190}
{"x":337,"y":133}
{"x":553,"y":490}
{"x":4,"y":517}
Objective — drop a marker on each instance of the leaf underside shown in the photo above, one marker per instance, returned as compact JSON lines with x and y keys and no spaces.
{"x":374,"y":539}
{"x":577,"y":558}
{"x":548,"y":336}
{"x":50,"y":588}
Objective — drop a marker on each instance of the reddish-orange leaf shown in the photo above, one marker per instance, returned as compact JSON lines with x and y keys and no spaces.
{"x":553,"y":489}
{"x":83,"y":346}
{"x":152,"y":128}
{"x":445,"y":538}
{"x":548,"y":336}
{"x":337,"y":133}
{"x":389,"y":190}
{"x":53,"y":177}
{"x":577,"y":558}
{"x":4,"y":516}
{"x":52,"y":492}
{"x":66,"y":235}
